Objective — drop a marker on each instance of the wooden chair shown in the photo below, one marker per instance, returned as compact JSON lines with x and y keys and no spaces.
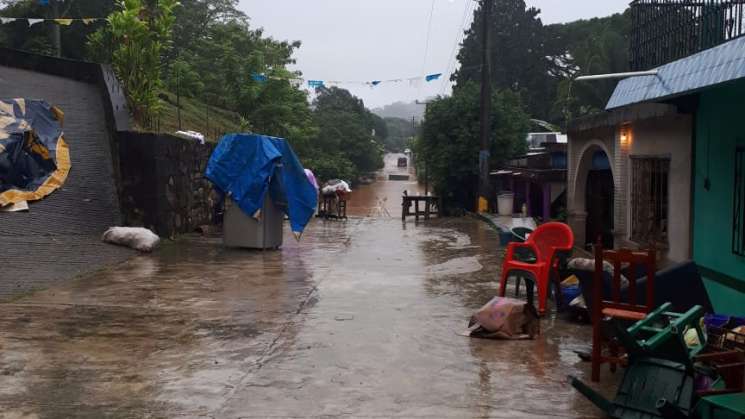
{"x":730,"y":365}
{"x":623,"y":303}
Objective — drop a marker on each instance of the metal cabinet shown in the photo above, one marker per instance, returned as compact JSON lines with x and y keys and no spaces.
{"x":243,"y":230}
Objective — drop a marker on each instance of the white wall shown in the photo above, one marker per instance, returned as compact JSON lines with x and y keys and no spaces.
{"x":664,"y":135}
{"x":669,"y":136}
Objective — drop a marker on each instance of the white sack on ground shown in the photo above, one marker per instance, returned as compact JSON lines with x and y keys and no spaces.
{"x":137,"y":238}
{"x":334,"y":186}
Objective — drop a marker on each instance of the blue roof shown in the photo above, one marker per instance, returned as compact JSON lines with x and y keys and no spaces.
{"x":708,"y":68}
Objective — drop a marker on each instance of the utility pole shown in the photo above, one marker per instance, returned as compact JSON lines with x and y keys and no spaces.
{"x":424,"y":161}
{"x":484,"y":188}
{"x":56,"y":29}
{"x":178,"y":96}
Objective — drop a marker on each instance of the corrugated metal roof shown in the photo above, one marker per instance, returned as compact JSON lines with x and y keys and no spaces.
{"x":717,"y":65}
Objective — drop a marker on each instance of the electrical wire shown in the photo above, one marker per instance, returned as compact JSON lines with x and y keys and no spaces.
{"x":467,"y":10}
{"x":426,"y":43}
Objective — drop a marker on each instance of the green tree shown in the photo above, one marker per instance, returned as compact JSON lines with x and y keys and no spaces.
{"x":133,"y":42}
{"x":400,"y":131}
{"x":184,"y":79}
{"x":197,"y":19}
{"x":450,"y":142}
{"x":594,"y":46}
{"x":540,"y":62}
{"x":517,"y":53}
{"x":345,"y":134}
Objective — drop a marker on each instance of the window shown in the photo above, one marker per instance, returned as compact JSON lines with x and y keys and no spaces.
{"x":738,"y":221}
{"x":649,"y":199}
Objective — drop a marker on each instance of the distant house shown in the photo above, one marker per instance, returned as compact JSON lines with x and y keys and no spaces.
{"x":536,"y":179}
{"x":665,"y":165}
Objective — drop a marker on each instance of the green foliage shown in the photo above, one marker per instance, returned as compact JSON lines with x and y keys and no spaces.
{"x":400,"y":131}
{"x":136,"y":36}
{"x":197,"y":116}
{"x":596,"y":46}
{"x":184,"y":79}
{"x":208,"y":51}
{"x":518,"y":49}
{"x":333,"y":165}
{"x":450,"y":140}
{"x":345,"y":138}
{"x":223,"y":53}
{"x":540,"y":61}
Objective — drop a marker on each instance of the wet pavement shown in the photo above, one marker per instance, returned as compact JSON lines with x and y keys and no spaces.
{"x":360,"y":318}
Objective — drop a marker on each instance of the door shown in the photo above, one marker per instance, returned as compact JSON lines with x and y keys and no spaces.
{"x":599,"y":202}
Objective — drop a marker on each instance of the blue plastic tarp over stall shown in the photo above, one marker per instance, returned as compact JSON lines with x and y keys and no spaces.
{"x":247,"y":166}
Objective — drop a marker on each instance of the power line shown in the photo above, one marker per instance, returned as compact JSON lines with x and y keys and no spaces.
{"x":468,"y":9}
{"x":426,"y":43}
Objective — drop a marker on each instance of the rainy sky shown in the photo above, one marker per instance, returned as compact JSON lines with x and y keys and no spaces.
{"x":365,"y":40}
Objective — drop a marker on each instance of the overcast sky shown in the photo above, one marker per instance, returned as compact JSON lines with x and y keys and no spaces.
{"x":365,"y":40}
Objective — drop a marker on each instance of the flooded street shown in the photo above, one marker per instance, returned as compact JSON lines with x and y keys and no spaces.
{"x":383,"y":198}
{"x":360,"y":318}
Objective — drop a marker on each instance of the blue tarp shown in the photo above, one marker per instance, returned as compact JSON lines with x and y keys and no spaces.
{"x":247,"y":166}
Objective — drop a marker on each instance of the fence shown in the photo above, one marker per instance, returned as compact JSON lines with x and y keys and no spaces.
{"x":666,"y":30}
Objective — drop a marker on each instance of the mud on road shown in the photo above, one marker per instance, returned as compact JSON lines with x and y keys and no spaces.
{"x":360,"y":318}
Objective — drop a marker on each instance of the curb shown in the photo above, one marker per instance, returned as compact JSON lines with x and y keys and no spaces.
{"x":487,"y":220}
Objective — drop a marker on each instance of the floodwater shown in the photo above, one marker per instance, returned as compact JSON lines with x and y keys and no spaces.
{"x":360,"y":318}
{"x":383,"y":198}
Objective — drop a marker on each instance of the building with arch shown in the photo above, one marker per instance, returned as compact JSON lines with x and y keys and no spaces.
{"x":608,"y":156}
{"x":676,"y":168}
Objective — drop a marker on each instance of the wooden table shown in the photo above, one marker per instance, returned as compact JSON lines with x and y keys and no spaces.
{"x":332,"y":206}
{"x":431,"y":206}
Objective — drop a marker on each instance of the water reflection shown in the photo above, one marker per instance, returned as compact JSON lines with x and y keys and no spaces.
{"x":382,"y":199}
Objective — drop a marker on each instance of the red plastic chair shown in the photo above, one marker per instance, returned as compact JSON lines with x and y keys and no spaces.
{"x":547,"y":242}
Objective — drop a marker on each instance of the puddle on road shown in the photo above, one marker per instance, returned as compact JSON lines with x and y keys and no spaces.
{"x":456,"y":266}
{"x":358,"y":318}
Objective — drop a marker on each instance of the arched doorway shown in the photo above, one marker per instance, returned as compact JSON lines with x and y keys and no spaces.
{"x":594,"y":194}
{"x":599,"y":201}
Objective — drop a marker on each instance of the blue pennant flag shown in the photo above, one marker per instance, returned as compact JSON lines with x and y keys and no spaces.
{"x":375,"y":82}
{"x":315,"y":83}
{"x":433,"y":77}
{"x":259,"y":77}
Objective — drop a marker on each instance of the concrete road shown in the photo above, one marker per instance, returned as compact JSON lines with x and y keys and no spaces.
{"x":360,"y":318}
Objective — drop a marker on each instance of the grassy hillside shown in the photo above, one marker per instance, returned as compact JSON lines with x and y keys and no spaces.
{"x":211,"y":121}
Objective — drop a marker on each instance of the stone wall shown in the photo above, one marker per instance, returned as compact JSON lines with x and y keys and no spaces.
{"x":162,"y":183}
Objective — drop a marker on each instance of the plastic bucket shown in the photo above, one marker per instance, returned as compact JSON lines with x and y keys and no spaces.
{"x":505,"y":202}
{"x":570,"y":293}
